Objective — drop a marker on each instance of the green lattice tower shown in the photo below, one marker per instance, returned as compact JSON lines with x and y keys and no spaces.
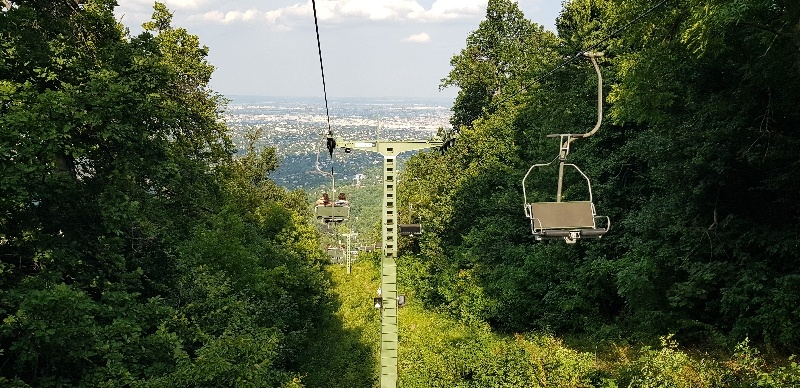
{"x":389,"y":328}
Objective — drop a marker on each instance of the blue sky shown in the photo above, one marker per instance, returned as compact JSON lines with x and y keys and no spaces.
{"x":370,"y":48}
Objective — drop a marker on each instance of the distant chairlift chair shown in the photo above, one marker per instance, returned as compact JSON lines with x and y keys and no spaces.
{"x":334,"y":213}
{"x":336,"y":254}
{"x":409,"y":229}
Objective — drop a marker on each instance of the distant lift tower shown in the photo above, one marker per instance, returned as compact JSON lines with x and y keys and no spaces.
{"x":389,"y":150}
{"x":348,"y":254}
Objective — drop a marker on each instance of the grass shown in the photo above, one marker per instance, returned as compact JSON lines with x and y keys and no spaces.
{"x":438,"y":351}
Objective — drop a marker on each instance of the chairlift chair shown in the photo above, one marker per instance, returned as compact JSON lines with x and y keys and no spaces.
{"x":332,"y":213}
{"x":332,"y":210}
{"x":568,"y":220}
{"x":409,"y":229}
{"x":336,"y":254}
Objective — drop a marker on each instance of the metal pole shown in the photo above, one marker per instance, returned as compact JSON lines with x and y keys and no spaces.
{"x":348,"y":254}
{"x":592,"y":56}
{"x":560,"y":180}
{"x":562,"y":157}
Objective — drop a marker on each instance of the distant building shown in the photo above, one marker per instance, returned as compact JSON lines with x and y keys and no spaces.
{"x":357,"y":179}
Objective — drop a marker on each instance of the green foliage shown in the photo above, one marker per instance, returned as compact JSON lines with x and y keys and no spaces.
{"x":701,"y":199}
{"x":134,"y":249}
{"x":346,"y":346}
{"x":504,"y":49}
{"x":708,"y":170}
{"x":440,"y":352}
{"x":117,"y":333}
{"x":669,"y":367}
{"x":749,"y":369}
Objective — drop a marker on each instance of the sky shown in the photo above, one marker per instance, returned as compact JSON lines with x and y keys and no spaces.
{"x":370,"y":48}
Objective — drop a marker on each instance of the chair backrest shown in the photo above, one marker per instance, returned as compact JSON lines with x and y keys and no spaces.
{"x":409,"y":229}
{"x":332,"y":211}
{"x":563,"y":215}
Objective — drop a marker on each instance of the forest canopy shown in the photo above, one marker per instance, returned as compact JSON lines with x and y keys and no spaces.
{"x":134,"y":249}
{"x":137,"y":250}
{"x":695,"y":163}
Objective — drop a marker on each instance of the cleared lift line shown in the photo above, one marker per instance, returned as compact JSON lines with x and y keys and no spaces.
{"x":389,"y":297}
{"x":390,"y":150}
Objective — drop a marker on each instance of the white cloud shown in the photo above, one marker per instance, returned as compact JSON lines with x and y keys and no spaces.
{"x":338,"y":11}
{"x":375,"y":9}
{"x":181,"y":4}
{"x":455,"y":9}
{"x":230,"y":16}
{"x":399,"y":10}
{"x":136,"y":4}
{"x":134,"y":12}
{"x":278,"y":18}
{"x":418,"y":38}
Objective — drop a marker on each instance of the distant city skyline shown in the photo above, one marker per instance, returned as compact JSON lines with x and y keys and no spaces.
{"x":370,"y":48}
{"x":294,"y":126}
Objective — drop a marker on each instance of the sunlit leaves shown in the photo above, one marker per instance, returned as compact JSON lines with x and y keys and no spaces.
{"x":499,"y":56}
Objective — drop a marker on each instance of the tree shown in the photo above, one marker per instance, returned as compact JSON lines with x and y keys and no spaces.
{"x":504,"y":51}
{"x":694,"y":164}
{"x":129,"y":236}
{"x":85,"y":168}
{"x":710,"y":119}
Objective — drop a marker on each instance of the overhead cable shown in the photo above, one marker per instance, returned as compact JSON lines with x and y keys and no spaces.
{"x":321,"y":67}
